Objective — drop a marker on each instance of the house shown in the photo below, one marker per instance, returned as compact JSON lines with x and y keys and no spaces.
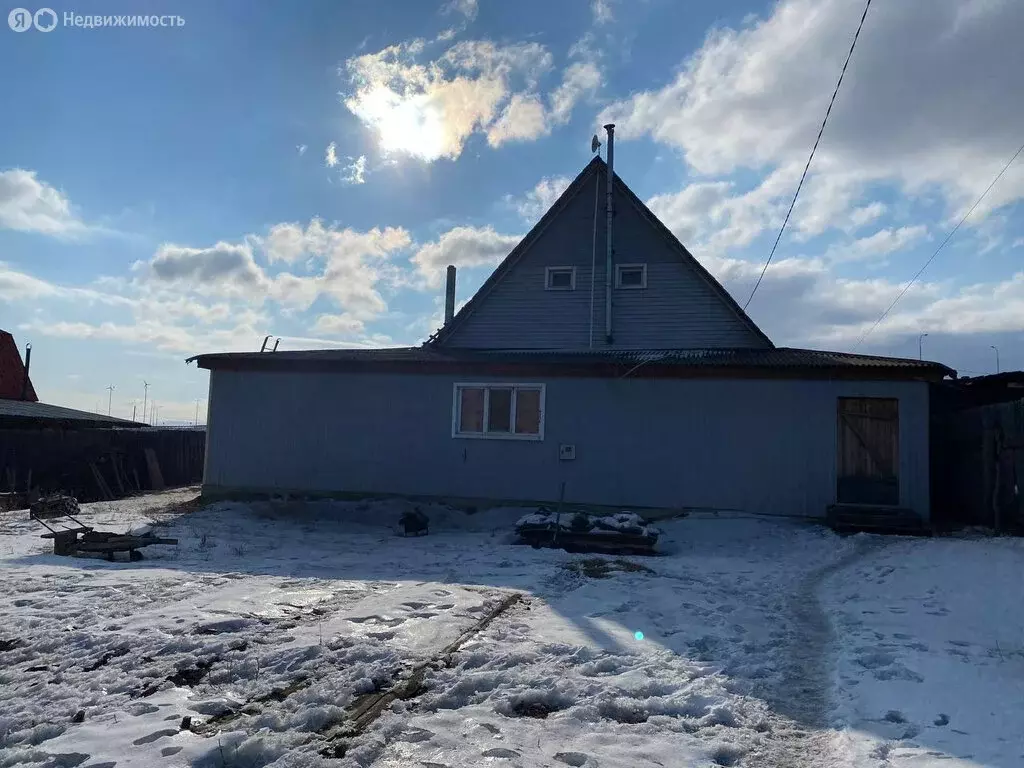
{"x":625,"y":374}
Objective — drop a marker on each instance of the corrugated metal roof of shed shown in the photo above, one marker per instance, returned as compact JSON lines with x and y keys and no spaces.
{"x":776,"y":357}
{"x":22,"y":409}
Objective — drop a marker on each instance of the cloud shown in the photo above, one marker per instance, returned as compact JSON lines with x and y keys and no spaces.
{"x":429,"y":110}
{"x":580,"y":79}
{"x":331,"y":155}
{"x":924,"y":105}
{"x":878,"y":245}
{"x":467,"y":8}
{"x":866,"y":214}
{"x":355,"y":172}
{"x":461,"y":247}
{"x":347,"y":267}
{"x":30,"y":205}
{"x":538,"y":200}
{"x":523,"y":119}
{"x":711,"y":217}
{"x":601,"y":10}
{"x":301,"y":149}
{"x":338,"y":325}
{"x":220,"y":265}
{"x":352,"y":264}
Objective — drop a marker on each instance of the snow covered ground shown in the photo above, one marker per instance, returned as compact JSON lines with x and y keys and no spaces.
{"x":747,"y":643}
{"x":930,"y":666}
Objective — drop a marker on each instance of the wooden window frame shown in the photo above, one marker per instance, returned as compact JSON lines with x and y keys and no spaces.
{"x":547,"y":278}
{"x":618,"y":277}
{"x":487,"y":386}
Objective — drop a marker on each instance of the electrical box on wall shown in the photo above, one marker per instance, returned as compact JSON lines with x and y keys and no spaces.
{"x":566,"y":452}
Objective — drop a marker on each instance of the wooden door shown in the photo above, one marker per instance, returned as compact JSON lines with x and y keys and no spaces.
{"x":868,"y":451}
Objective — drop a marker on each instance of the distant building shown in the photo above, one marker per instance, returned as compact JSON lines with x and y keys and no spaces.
{"x":15,"y":383}
{"x":627,"y":373}
{"x":20,"y":407}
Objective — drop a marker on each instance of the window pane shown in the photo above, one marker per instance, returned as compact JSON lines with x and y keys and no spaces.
{"x":634,"y":276}
{"x":528,"y":411}
{"x":499,"y":413}
{"x":560,"y":278}
{"x":471,"y":410}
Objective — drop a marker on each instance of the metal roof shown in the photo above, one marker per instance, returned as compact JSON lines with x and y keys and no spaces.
{"x":22,"y":409}
{"x":772,"y":358}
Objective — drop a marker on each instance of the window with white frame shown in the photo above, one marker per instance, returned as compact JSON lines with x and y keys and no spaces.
{"x":504,"y":411}
{"x":630,"y":275}
{"x":560,"y":278}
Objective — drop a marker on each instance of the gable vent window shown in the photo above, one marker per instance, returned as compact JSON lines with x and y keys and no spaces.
{"x":499,"y":411}
{"x":630,"y":275}
{"x":560,"y":278}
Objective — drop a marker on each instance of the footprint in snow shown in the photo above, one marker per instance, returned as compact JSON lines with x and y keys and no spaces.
{"x":942,"y":719}
{"x":168,"y":751}
{"x":500,"y":752}
{"x":154,"y":737}
{"x":417,"y":735}
{"x":575,"y":759}
{"x":378,"y":620}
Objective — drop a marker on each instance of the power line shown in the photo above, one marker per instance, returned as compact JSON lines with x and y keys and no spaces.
{"x":810,"y":157}
{"x":941,"y":246}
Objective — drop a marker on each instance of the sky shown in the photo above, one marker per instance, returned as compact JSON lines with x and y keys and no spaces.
{"x":307,"y":172}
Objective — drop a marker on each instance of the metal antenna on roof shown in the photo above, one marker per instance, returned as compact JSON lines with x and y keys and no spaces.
{"x":595,"y":143}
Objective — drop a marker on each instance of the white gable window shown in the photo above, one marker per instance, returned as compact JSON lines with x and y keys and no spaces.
{"x":560,"y":279}
{"x":630,"y":275}
{"x":502,"y":411}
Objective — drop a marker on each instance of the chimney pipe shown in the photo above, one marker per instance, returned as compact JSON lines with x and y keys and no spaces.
{"x":449,"y":295}
{"x":609,"y":185}
{"x":28,"y":362}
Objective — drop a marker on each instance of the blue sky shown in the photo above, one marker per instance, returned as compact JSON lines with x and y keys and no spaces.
{"x":173,"y":190}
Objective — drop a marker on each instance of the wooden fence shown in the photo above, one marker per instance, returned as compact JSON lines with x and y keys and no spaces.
{"x":98,"y":464}
{"x":978,"y":465}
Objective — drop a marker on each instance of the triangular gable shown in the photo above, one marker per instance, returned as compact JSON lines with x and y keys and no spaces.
{"x":585,"y":179}
{"x":12,"y":371}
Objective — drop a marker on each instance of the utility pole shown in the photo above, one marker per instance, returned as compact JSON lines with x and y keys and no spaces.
{"x":134,"y":406}
{"x":196,"y":422}
{"x":145,"y":398}
{"x":919,"y":340}
{"x":110,"y":397}
{"x":993,"y":346}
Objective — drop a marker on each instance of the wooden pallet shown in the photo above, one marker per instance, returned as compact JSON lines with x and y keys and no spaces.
{"x":606,"y":542}
{"x":83,"y":540}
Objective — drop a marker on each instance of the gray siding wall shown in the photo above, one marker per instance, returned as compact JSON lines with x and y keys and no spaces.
{"x":678,"y":309}
{"x":762,"y":446}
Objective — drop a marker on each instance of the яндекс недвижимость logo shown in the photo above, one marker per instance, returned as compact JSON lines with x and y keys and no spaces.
{"x":46,"y":20}
{"x":22,"y":19}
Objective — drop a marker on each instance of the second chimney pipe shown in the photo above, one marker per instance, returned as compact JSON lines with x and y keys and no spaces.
{"x":25,"y":381}
{"x":449,"y":295}
{"x":609,"y":185}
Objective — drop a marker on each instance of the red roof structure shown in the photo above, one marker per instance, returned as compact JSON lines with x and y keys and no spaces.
{"x":12,"y":372}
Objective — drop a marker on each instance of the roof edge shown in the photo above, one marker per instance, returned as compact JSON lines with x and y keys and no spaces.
{"x":439,"y":337}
